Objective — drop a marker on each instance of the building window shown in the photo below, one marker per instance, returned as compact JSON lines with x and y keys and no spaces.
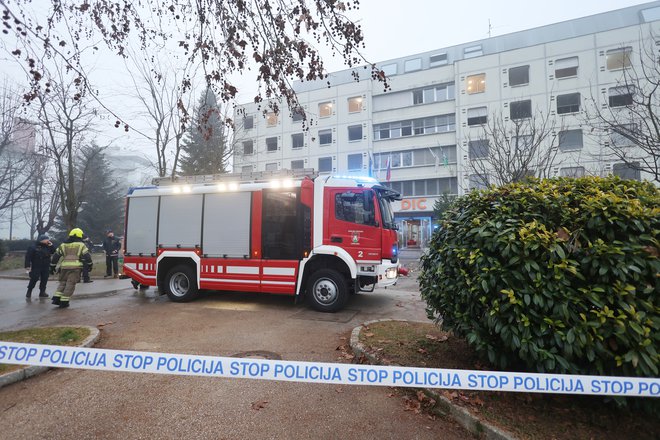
{"x":476,"y":83}
{"x":246,"y":169}
{"x":438,"y":60}
{"x":628,"y":171}
{"x":623,"y":135}
{"x":621,"y":96}
{"x":355,"y":104}
{"x":412,"y":65}
{"x":271,"y":119}
{"x":297,"y":164}
{"x":271,"y":144}
{"x":443,"y":92}
{"x":566,"y":67}
{"x":325,"y":109}
{"x":271,"y":166}
{"x":570,"y":140}
{"x":519,"y":76}
{"x":522,"y":143}
{"x":248,"y":148}
{"x":477,"y":116}
{"x":520,"y":109}
{"x":619,"y":58}
{"x":426,"y":187}
{"x":297,"y":115}
{"x":248,"y":122}
{"x":325,"y":137}
{"x":325,"y":164}
{"x":354,"y":162}
{"x":473,"y":51}
{"x":297,"y":140}
{"x":478,"y":181}
{"x":439,"y":156}
{"x":433,"y":124}
{"x":389,"y":69}
{"x":569,"y":103}
{"x":571,"y":172}
{"x":478,"y":149}
{"x":354,"y":133}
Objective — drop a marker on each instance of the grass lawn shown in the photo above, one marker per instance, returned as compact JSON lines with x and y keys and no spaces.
{"x":17,"y":261}
{"x":46,"y":335}
{"x":526,"y":415}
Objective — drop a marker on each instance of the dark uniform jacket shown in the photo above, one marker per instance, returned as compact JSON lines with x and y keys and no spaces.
{"x":38,"y":256}
{"x":111,"y":246}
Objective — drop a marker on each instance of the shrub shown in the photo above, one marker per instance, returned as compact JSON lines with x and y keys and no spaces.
{"x":3,"y":249}
{"x":19,"y":245}
{"x":558,"y":275}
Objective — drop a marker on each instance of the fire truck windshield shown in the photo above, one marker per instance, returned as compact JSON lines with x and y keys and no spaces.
{"x":384,"y":198}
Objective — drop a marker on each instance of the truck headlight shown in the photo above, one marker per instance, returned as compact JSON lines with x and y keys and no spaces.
{"x":390,"y":273}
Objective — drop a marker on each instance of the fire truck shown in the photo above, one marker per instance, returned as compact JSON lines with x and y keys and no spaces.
{"x":291,"y":233}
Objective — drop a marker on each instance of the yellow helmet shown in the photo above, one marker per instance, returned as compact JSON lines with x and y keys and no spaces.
{"x":76,"y":232}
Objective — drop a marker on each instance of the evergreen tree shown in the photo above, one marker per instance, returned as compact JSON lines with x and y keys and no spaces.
{"x":102,"y":205}
{"x":204,"y":150}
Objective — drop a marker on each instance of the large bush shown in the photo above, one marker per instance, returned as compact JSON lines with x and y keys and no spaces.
{"x":557,"y":275}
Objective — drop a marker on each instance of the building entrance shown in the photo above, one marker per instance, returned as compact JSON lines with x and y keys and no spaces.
{"x":415,"y":232}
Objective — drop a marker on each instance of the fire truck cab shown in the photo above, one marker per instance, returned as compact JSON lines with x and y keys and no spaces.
{"x":297,"y":234}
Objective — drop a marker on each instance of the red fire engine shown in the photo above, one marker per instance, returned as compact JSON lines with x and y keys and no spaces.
{"x":284,"y":233}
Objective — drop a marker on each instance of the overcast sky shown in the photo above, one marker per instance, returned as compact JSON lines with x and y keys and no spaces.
{"x":407,"y":27}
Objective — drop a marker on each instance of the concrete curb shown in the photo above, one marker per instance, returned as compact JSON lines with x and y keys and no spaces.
{"x":462,"y":416}
{"x":26,"y":372}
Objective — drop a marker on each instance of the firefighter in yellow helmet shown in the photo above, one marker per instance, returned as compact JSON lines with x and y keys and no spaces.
{"x":74,"y":255}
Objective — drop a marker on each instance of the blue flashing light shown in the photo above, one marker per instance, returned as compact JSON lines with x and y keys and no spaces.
{"x":135,"y":188}
{"x":359,"y":178}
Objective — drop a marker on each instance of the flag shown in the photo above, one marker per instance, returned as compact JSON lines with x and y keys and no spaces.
{"x":388,"y":174}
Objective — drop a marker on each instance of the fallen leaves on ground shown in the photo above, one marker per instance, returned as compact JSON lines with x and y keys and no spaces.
{"x":259,"y":404}
{"x":104,"y":324}
{"x":412,"y":405}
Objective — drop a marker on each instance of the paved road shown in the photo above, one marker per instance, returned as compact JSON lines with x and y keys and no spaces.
{"x":92,"y":404}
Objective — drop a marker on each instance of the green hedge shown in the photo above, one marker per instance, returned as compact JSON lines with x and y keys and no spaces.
{"x":558,"y":275}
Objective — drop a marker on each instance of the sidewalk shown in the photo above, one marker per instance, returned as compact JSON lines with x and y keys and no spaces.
{"x":100,"y":286}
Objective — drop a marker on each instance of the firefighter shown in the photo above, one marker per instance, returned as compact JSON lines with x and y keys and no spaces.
{"x":74,"y":256}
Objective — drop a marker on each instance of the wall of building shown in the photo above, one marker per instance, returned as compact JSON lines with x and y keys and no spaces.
{"x":420,"y":126}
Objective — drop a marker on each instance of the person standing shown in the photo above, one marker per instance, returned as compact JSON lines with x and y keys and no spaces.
{"x":37,"y":262}
{"x":74,"y":256}
{"x":111,"y":246}
{"x":86,"y":269}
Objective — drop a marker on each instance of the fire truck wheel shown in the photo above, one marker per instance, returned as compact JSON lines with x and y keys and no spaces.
{"x":327,"y":290}
{"x":180,"y":284}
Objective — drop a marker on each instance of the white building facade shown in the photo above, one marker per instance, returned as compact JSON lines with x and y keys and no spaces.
{"x":420,"y":136}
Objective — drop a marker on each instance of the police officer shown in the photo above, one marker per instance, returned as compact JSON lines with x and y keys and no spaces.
{"x":37,"y":262}
{"x":74,"y":255}
{"x":111,"y":246}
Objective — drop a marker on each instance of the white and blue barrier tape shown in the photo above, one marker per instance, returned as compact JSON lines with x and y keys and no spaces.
{"x":329,"y":373}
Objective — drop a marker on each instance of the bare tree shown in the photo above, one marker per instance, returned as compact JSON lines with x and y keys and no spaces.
{"x":275,"y":39}
{"x":66,"y":119}
{"x":44,"y":203}
{"x":509,"y":149}
{"x":161,"y":97}
{"x":16,"y":151}
{"x":627,"y":119}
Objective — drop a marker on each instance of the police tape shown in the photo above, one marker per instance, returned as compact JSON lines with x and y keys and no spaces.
{"x":328,"y":373}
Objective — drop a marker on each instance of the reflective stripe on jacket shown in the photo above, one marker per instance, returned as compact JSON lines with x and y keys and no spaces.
{"x":72,"y":253}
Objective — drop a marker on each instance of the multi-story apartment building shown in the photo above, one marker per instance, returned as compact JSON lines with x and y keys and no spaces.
{"x":424,"y":135}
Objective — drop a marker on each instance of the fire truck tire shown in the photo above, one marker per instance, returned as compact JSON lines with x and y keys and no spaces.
{"x":181,"y":284}
{"x":327,"y":290}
